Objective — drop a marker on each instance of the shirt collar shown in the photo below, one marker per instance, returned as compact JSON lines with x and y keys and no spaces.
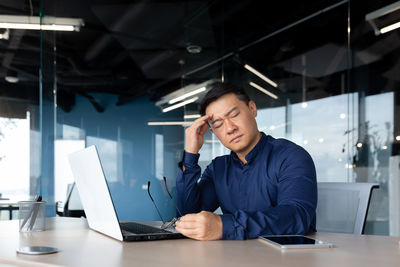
{"x":254,"y":152}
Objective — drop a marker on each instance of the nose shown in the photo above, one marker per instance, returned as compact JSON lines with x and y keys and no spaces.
{"x":230,"y":126}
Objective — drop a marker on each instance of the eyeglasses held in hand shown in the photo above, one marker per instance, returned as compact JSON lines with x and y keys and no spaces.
{"x":170,"y":223}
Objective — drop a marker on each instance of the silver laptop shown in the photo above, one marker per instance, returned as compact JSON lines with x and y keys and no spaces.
{"x":98,"y":205}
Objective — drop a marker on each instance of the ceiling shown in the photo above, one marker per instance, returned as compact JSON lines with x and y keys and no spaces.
{"x":138,"y":48}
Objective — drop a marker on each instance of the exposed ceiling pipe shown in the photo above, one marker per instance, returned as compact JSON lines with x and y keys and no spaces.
{"x":242,"y":48}
{"x":93,"y":101}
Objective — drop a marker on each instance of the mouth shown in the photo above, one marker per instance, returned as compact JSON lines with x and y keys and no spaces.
{"x":236,"y":139}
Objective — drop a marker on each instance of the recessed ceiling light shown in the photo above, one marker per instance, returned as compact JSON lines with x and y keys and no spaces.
{"x":194,"y":49}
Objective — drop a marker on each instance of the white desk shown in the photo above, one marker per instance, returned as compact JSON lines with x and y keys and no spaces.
{"x":80,"y":246}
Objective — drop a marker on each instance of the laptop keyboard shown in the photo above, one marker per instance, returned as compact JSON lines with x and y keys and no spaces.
{"x":138,"y":228}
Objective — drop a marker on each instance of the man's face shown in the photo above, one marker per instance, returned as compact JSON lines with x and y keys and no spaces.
{"x":233,"y":122}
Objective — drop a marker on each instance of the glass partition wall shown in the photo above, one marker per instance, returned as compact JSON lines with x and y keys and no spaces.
{"x":328,"y":85}
{"x":331,"y":82}
{"x":20,"y":116}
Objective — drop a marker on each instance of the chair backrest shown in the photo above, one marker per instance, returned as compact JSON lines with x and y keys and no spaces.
{"x":343,"y":207}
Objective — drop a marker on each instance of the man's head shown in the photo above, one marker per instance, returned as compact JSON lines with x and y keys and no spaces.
{"x":233,"y":117}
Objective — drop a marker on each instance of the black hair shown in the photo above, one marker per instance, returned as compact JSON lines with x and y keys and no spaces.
{"x":221,"y":89}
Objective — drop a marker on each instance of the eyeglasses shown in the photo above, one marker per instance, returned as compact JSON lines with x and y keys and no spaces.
{"x":170,"y":223}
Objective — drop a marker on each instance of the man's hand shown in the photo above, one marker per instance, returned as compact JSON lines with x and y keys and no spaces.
{"x":201,"y":226}
{"x":195,"y":134}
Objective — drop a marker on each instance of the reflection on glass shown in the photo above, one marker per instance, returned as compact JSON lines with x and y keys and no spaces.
{"x":272,"y":121}
{"x":159,"y":156}
{"x":372,"y":158}
{"x":321,"y":131}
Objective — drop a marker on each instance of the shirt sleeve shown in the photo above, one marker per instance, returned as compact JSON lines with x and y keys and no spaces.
{"x":294,"y":212}
{"x":193,"y":195}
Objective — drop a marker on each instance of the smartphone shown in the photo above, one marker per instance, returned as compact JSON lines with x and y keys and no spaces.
{"x":294,"y":241}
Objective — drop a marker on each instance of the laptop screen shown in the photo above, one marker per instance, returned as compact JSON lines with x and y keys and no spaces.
{"x":94,"y":192}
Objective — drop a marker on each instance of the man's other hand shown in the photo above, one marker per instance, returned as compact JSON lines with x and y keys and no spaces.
{"x":201,"y":226}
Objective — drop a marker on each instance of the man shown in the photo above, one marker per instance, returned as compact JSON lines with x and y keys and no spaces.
{"x":265,"y":186}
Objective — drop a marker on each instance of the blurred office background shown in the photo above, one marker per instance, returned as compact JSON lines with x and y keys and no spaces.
{"x":319,"y":72}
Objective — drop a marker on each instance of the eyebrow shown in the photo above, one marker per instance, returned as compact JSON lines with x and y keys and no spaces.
{"x":226,"y":115}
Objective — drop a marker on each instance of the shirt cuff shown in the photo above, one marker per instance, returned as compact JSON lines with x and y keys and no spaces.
{"x":190,"y":159}
{"x":228,"y":229}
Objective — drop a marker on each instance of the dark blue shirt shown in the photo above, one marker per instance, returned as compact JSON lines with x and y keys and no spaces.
{"x":274,"y":193}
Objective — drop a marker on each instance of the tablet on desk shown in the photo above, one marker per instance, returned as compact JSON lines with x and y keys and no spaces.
{"x":294,"y":241}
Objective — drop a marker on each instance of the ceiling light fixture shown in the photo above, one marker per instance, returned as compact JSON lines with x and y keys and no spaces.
{"x":194,"y":49}
{"x":185,"y":92}
{"x":11,"y":76}
{"x":192,"y":116}
{"x":259,"y":74}
{"x":265,"y":91}
{"x":45,"y":23}
{"x":195,"y":92}
{"x":371,"y":17}
{"x":180,"y":104}
{"x":390,"y":28}
{"x":11,"y":79}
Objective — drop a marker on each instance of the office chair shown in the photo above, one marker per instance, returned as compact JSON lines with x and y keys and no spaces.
{"x":343,"y":207}
{"x":73,"y":206}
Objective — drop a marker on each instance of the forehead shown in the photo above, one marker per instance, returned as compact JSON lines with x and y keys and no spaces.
{"x":224,"y":104}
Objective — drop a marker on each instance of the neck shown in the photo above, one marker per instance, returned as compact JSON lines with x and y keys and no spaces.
{"x":242,"y":154}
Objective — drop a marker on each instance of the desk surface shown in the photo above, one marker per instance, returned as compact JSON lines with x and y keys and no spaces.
{"x":79,"y":246}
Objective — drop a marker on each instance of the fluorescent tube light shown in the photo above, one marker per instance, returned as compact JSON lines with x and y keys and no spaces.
{"x":23,"y":26}
{"x":179,"y":98}
{"x":259,"y":74}
{"x":193,"y":116}
{"x":47,"y":23}
{"x":371,"y":17}
{"x":169,"y":123}
{"x":180,"y":104}
{"x":265,"y":91}
{"x":390,"y":28}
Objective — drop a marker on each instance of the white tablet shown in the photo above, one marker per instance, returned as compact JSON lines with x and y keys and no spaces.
{"x":294,"y":241}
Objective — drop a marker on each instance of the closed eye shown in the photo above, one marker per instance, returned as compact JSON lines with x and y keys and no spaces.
{"x":234,"y":114}
{"x":217,"y":124}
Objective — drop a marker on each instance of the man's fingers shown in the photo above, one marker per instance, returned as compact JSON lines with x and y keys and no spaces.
{"x":203,"y":129}
{"x":189,"y":217}
{"x":187,"y":232}
{"x":201,"y":121}
{"x":187,"y":224}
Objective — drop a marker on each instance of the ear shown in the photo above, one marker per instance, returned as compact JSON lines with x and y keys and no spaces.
{"x":253,"y":108}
